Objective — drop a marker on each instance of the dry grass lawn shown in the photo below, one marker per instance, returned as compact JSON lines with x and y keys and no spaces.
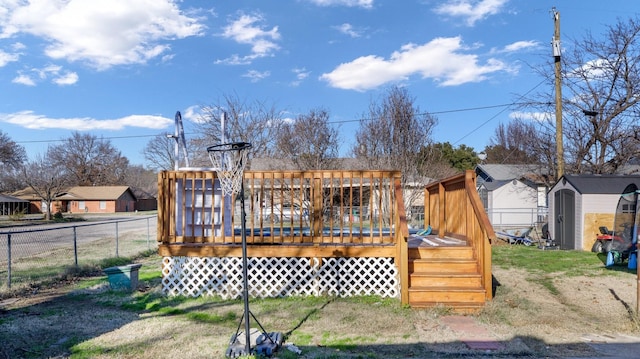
{"x":534,"y":314}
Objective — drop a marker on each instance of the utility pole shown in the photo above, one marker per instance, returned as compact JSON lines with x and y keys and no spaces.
{"x":556,"y":57}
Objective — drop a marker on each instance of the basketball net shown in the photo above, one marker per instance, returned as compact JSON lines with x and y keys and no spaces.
{"x":229,"y":161}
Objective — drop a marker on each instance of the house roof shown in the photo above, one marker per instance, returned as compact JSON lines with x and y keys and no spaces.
{"x":499,"y":172}
{"x":490,"y":186}
{"x":6,"y":199}
{"x":600,"y":184}
{"x":96,"y":192}
{"x":83,"y":193}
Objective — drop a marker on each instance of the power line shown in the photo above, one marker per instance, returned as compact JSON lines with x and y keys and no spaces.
{"x":506,"y":105}
{"x":499,"y":112}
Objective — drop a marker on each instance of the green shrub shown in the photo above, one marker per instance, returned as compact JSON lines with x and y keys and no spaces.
{"x":18,"y":215}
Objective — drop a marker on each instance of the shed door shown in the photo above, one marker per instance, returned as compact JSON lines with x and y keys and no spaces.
{"x":565,"y":210}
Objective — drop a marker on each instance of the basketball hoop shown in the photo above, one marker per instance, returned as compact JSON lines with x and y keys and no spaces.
{"x":229,"y":160}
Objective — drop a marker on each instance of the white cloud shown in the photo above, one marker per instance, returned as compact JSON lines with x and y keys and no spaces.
{"x":256,"y":76}
{"x":247,"y":30}
{"x":470,"y":10}
{"x":440,"y":59}
{"x":534,"y":116}
{"x":13,"y":56}
{"x":521,"y":45}
{"x":102,"y":33}
{"x":53,"y":72}
{"x":193,"y":114}
{"x":6,"y":58}
{"x":348,"y":29}
{"x":594,"y":69}
{"x":23,"y":79}
{"x":67,"y":78}
{"x":367,"y":4}
{"x":18,"y":46}
{"x":30,"y":120}
{"x":301,"y":75}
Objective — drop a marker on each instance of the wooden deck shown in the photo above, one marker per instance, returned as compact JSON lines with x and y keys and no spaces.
{"x":338,"y":215}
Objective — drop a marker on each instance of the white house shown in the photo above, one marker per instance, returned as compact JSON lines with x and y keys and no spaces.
{"x":511,"y":195}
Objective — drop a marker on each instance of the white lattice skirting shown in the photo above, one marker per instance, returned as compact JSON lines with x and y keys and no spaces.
{"x":278,"y":277}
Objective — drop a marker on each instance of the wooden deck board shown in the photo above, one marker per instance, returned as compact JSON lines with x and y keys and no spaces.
{"x":432,"y":240}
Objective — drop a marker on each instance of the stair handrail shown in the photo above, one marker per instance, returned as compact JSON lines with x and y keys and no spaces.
{"x":486,"y":237}
{"x":453,"y":207}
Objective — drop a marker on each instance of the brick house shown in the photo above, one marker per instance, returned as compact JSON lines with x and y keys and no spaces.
{"x":86,"y":199}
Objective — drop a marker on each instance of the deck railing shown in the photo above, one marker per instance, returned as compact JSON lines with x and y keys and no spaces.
{"x":356,"y":210}
{"x":453,"y":209}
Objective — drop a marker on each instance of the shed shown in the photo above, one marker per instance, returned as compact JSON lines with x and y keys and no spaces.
{"x":580,"y":204}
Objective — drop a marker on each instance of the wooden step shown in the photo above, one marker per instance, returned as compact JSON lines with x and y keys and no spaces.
{"x":446,"y":295}
{"x":456,"y":307}
{"x":443,"y":265}
{"x":462,"y":280}
{"x":462,"y":252}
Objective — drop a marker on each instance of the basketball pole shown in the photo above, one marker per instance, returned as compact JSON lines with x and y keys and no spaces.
{"x":245,"y":280}
{"x":231,"y":180}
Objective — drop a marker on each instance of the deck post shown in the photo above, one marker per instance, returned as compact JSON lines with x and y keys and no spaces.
{"x":442,"y":222}
{"x":401,"y":237}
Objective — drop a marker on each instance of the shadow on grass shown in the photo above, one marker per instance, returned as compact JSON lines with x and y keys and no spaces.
{"x":64,"y":325}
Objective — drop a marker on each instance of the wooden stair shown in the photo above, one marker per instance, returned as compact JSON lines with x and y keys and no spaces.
{"x":446,"y":276}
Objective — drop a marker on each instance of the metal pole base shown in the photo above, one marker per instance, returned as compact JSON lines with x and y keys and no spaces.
{"x":262,"y":344}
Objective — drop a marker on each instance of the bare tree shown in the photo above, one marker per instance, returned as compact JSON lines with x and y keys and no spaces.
{"x":142,"y":181}
{"x":47,"y":180}
{"x":12,"y":156}
{"x":254,"y":122}
{"x":514,"y":143}
{"x":89,"y":160}
{"x":392,"y":135}
{"x":11,"y":153}
{"x":601,"y":101}
{"x":160,"y":152}
{"x":309,"y":141}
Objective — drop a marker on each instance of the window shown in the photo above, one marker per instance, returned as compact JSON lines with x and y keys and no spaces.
{"x":484,"y":197}
{"x":103,"y":204}
{"x":81,"y":205}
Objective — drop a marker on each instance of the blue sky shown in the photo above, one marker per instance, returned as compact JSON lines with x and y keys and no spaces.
{"x":120,"y":69}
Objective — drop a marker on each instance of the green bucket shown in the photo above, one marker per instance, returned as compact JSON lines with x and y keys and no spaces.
{"x":123,"y":277}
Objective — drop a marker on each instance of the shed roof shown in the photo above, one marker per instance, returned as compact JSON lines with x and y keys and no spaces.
{"x":601,"y":184}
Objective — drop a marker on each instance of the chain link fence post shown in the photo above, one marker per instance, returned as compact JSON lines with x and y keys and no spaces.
{"x":117,"y":244}
{"x":9,"y":260}
{"x":75,"y":246}
{"x":148,"y":235}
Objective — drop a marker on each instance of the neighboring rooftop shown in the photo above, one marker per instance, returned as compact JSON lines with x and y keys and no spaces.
{"x":499,"y":172}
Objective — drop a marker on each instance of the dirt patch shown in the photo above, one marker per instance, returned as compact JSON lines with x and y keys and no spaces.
{"x":550,"y":317}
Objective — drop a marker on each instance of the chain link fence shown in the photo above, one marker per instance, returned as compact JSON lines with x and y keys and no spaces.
{"x":35,"y":254}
